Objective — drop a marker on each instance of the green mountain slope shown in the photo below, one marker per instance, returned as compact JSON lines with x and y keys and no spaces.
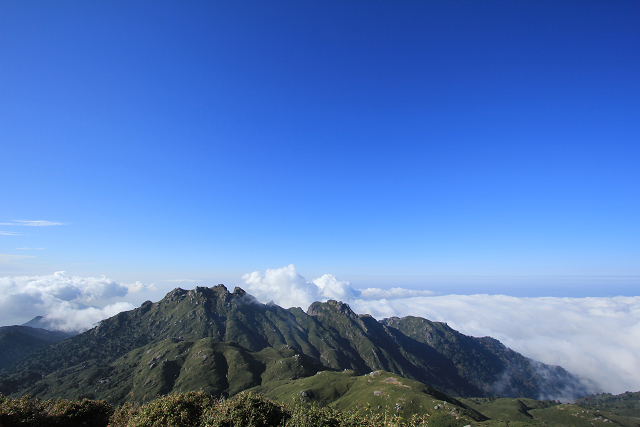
{"x":505,"y":412}
{"x":489,"y":365}
{"x":16,"y":342}
{"x":625,"y":404}
{"x":234,"y":330}
{"x":376,"y":392}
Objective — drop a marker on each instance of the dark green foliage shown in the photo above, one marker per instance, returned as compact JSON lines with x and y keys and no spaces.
{"x":16,"y":342}
{"x":58,"y":413}
{"x":19,"y":412}
{"x":245,"y":410}
{"x":314,"y":416}
{"x":84,"y":413}
{"x":124,"y":414}
{"x":177,"y":410}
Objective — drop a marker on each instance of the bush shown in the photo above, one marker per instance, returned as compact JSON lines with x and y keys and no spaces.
{"x":176,"y":410}
{"x":19,"y":412}
{"x":198,"y":409}
{"x":313,"y":416}
{"x":123,"y":414}
{"x":59,"y":413}
{"x":245,"y":410}
{"x":74,"y":413}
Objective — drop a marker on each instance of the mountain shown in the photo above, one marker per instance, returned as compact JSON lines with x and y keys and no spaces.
{"x":39,"y":322}
{"x":16,"y":342}
{"x":224,"y":342}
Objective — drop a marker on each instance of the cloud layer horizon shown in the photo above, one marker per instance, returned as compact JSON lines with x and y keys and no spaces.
{"x":595,"y":337}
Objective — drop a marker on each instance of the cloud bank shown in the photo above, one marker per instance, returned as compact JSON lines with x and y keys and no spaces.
{"x":598,"y":338}
{"x":66,"y":302}
{"x":287,"y":288}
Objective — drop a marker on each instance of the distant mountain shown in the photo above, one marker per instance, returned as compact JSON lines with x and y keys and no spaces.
{"x":224,"y":342}
{"x":16,"y":342}
{"x":40,"y":322}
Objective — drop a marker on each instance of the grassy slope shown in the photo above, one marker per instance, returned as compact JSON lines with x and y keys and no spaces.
{"x":548,"y":413}
{"x":377,"y":392}
{"x":625,"y":404}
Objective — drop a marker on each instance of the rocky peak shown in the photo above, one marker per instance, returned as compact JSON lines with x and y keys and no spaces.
{"x":331,"y":307}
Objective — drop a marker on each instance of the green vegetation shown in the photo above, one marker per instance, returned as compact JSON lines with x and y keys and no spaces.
{"x":379,"y":392}
{"x":58,"y":413}
{"x":248,"y":409}
{"x":626,"y":404}
{"x":17,"y":342}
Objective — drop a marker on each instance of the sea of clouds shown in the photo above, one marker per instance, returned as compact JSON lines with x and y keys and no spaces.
{"x":67,"y":303}
{"x":598,"y":338}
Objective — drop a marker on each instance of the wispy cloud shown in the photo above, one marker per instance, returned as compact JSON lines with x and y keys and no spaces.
{"x":66,"y":302}
{"x":9,"y":257}
{"x":598,"y":338}
{"x":36,"y":223}
{"x":8,"y":233}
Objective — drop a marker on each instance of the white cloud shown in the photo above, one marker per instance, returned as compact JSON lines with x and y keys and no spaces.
{"x":329,"y":287}
{"x":598,"y":338}
{"x":139,"y":286}
{"x":8,"y":233}
{"x":63,"y":300}
{"x":284,"y":286}
{"x":37,"y":223}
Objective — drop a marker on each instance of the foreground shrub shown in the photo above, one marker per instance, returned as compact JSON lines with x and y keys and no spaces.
{"x":19,"y":412}
{"x":245,"y":410}
{"x":74,"y":413}
{"x":123,"y":414}
{"x":58,"y":413}
{"x":317,"y":416}
{"x":176,"y":410}
{"x":198,"y":409}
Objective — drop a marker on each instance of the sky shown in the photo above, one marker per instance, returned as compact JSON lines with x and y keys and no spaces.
{"x":459,"y":149}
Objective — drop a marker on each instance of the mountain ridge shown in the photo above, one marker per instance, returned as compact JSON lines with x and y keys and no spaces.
{"x":328,"y":336}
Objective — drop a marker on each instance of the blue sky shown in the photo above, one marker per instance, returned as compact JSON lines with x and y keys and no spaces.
{"x":471,"y":146}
